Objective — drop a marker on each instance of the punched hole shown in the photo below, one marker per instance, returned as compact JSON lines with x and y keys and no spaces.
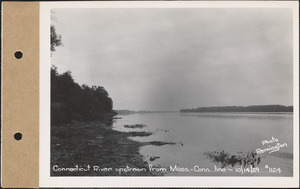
{"x":18,"y":136}
{"x":18,"y":55}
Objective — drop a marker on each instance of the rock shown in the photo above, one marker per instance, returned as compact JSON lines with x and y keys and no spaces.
{"x":152,"y":158}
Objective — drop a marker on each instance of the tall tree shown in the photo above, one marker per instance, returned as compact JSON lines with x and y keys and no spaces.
{"x":55,"y":39}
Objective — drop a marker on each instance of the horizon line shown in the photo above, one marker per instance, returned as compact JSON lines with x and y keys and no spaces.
{"x":199,"y":107}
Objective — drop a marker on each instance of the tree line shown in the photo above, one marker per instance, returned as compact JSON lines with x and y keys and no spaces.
{"x":70,"y":101}
{"x":256,"y":108}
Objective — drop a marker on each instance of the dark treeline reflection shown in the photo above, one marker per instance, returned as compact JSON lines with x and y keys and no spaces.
{"x":70,"y":101}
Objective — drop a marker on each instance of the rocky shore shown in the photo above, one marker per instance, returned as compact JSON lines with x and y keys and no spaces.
{"x":95,"y":149}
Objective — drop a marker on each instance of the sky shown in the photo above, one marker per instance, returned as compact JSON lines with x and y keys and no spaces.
{"x":169,"y":59}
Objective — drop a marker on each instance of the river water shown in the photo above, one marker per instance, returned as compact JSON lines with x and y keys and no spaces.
{"x":196,"y":134}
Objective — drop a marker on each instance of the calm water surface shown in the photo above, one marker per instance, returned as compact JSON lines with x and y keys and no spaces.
{"x":197,"y":133}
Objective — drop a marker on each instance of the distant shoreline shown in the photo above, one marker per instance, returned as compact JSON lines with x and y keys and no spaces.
{"x":267,"y":109}
{"x":287,"y":113}
{"x":245,"y":109}
{"x":124,"y":112}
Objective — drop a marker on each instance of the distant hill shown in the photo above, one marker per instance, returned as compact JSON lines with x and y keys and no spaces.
{"x":255,"y":108}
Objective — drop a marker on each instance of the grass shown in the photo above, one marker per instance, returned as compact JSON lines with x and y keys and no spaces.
{"x":159,"y":143}
{"x":134,"y":126}
{"x":242,"y":158}
{"x":139,"y":134}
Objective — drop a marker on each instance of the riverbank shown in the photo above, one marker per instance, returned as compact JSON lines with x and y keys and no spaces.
{"x":79,"y":148}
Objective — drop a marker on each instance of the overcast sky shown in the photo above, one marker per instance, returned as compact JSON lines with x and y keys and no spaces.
{"x":168,"y":59}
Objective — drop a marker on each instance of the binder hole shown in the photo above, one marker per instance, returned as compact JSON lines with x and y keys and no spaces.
{"x":18,"y":136}
{"x":18,"y":55}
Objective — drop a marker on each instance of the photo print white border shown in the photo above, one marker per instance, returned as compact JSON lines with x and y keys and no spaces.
{"x":47,"y":181}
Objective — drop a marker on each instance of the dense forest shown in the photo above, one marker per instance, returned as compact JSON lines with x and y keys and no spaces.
{"x":256,"y":108}
{"x":70,"y":101}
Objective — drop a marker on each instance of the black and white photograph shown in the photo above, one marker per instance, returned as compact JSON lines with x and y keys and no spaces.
{"x":172,"y":92}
